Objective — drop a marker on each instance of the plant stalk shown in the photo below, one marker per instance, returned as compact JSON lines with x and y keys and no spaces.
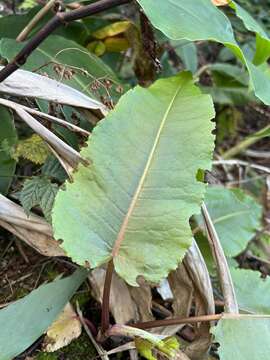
{"x":177,"y":321}
{"x":58,"y":20}
{"x":105,"y":313}
{"x":246,"y":143}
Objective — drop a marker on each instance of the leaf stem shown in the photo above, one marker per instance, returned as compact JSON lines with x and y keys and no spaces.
{"x":105,"y":313}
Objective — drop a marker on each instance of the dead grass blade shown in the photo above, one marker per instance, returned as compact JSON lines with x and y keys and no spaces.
{"x":231,"y":305}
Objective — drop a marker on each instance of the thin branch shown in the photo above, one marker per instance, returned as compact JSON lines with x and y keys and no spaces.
{"x":246,"y":143}
{"x":242,"y":163}
{"x":101,"y":352}
{"x":176,"y":321}
{"x":29,"y":27}
{"x":105,"y":315}
{"x":226,"y":282}
{"x":58,"y":20}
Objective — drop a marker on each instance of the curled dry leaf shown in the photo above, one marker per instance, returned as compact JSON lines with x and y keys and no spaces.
{"x":27,"y":84}
{"x":121,"y":304}
{"x":64,"y":329}
{"x":32,"y":229}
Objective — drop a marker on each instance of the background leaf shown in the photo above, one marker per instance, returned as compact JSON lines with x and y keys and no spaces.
{"x":65,"y":61}
{"x":243,"y":337}
{"x":252,"y":291}
{"x":8,"y":139}
{"x":236,"y":216}
{"x":23,"y":322}
{"x":194,"y":15}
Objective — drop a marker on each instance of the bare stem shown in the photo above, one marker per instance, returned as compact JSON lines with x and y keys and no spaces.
{"x":177,"y":321}
{"x":105,"y":314}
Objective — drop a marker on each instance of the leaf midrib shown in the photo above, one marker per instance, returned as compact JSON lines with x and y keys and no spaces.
{"x":133,"y":202}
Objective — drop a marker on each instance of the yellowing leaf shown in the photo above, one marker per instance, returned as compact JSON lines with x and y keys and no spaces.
{"x":64,"y":329}
{"x":167,"y":347}
{"x":34,"y":149}
{"x":116,"y":28}
{"x":116,"y":44}
{"x":97,"y":47}
{"x":221,"y":2}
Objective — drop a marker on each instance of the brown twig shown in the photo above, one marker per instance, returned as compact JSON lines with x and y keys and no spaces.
{"x":58,"y":20}
{"x":176,"y":321}
{"x":105,"y":314}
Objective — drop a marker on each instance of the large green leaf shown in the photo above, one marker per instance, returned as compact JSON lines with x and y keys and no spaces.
{"x":243,"y":337}
{"x":54,"y":57}
{"x":262,"y":40}
{"x":236,"y":217}
{"x":8,"y":138}
{"x":23,"y":322}
{"x":134,"y":202}
{"x":252,"y":291}
{"x":189,"y":19}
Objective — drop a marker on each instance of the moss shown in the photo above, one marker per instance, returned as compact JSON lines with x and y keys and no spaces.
{"x":79,"y":349}
{"x":20,"y":293}
{"x":46,"y":356}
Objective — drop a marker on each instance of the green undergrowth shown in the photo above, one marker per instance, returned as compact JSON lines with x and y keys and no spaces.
{"x":80,"y":348}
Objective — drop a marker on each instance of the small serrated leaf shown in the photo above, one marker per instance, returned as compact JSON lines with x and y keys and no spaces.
{"x":34,"y":149}
{"x":38,"y":191}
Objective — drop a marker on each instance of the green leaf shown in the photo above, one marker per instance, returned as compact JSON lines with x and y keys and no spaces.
{"x":136,"y":198}
{"x":24,"y":321}
{"x":194,"y":15}
{"x":38,"y":191}
{"x":188,"y":54}
{"x":8,"y":139}
{"x":229,"y":95}
{"x":262,"y":40}
{"x":236,"y":217}
{"x":53,"y":169}
{"x":252,"y":291}
{"x":65,"y":61}
{"x":243,"y":337}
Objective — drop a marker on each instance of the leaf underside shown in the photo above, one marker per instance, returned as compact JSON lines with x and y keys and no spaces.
{"x":134,"y":202}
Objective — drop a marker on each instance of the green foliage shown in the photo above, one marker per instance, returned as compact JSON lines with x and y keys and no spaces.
{"x":167,"y":347}
{"x":8,"y":139}
{"x":24,"y":321}
{"x":38,"y":191}
{"x":233,"y":209}
{"x":121,"y":204}
{"x":262,"y":40}
{"x":252,"y":291}
{"x":243,"y":337}
{"x":67,"y":62}
{"x":34,"y":149}
{"x":194,"y":17}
